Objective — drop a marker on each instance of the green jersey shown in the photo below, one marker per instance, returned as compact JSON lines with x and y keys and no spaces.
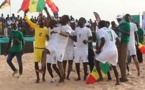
{"x":140,"y":33}
{"x":126,"y":28}
{"x":16,"y":47}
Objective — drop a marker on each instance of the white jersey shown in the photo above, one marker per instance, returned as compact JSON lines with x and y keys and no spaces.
{"x":70,"y":43}
{"x":110,"y":38}
{"x":82,"y":34}
{"x":53,"y":35}
{"x":109,"y":50}
{"x":133,"y":28}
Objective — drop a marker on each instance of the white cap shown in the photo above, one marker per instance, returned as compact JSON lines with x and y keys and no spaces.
{"x":119,"y":16}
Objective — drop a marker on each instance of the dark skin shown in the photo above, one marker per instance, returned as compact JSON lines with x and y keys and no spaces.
{"x":15,"y":41}
{"x":36,"y":65}
{"x":81,"y":24}
{"x":63,"y":21}
{"x":102,"y":40}
{"x":128,"y":19}
{"x":70,"y":62}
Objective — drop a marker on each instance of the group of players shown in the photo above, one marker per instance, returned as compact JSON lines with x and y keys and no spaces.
{"x":67,"y":43}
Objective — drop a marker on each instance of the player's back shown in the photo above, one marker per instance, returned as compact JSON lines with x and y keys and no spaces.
{"x":110,"y":37}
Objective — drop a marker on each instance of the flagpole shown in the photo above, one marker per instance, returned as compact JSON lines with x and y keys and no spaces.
{"x":10,"y":8}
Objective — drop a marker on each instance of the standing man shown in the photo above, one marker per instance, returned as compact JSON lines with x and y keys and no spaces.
{"x":83,"y":36}
{"x":41,"y":35}
{"x":15,"y":48}
{"x":124,"y":34}
{"x":140,"y":33}
{"x":133,"y":37}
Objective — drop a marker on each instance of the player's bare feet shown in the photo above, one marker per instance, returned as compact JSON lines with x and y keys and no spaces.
{"x":43,"y":79}
{"x":100,"y":79}
{"x":15,"y":72}
{"x":61,"y":81}
{"x":19,"y":75}
{"x":67,"y":78}
{"x":37,"y":81}
{"x":78,"y":79}
{"x":138,"y":73}
{"x":117,"y":83}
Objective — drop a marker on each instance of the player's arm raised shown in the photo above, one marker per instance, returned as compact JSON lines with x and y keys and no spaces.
{"x":33,"y":25}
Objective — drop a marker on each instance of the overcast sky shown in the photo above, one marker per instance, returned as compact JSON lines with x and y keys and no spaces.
{"x":107,"y":9}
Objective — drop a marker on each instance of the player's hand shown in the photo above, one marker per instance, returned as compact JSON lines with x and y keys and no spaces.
{"x":53,"y":32}
{"x":16,"y":41}
{"x":22,"y":52}
{"x":25,"y":12}
{"x":6,"y":53}
{"x":85,"y":42}
{"x":45,"y":8}
{"x":98,"y":51}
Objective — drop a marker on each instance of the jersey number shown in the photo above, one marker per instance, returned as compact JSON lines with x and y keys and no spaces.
{"x":40,"y":34}
{"x":110,"y":34}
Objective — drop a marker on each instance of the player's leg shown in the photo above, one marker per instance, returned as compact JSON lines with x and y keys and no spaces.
{"x":56,"y":70}
{"x":78,"y":71}
{"x":139,"y":56}
{"x":84,"y":57}
{"x":91,"y":59}
{"x":61,"y":69}
{"x":64,"y":66}
{"x":99,"y":71}
{"x":116,"y":74}
{"x":43,"y":60}
{"x":85,"y":69}
{"x":19,"y":59}
{"x":70,"y":63}
{"x":136,"y":63}
{"x":37,"y":73}
{"x":50,"y":70}
{"x":109,"y":75}
{"x":77,"y":63}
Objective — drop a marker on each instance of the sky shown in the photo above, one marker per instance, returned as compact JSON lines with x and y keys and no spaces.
{"x":107,"y":9}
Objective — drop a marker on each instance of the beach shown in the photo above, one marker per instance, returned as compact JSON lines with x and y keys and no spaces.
{"x":27,"y":80}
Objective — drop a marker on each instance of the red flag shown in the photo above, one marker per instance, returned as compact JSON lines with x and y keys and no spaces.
{"x":53,"y":7}
{"x":25,"y":5}
{"x":90,"y":79}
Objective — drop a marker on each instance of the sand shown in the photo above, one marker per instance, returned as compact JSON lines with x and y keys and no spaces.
{"x":26,"y":82}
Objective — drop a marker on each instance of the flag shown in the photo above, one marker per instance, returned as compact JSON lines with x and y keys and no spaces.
{"x":141,"y":48}
{"x":94,"y":74}
{"x":97,"y":17}
{"x":53,"y":7}
{"x":36,"y":5}
{"x":25,"y":5}
{"x":6,"y":3}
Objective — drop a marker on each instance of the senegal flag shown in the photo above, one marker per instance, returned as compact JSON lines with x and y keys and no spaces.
{"x":36,"y":5}
{"x":4,"y":4}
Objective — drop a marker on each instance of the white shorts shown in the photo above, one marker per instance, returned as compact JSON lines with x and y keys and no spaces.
{"x":108,"y":56}
{"x":60,"y":55}
{"x":132,"y":49}
{"x":50,"y":47}
{"x":51,"y":59}
{"x":69,"y":54}
{"x":81,"y":54}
